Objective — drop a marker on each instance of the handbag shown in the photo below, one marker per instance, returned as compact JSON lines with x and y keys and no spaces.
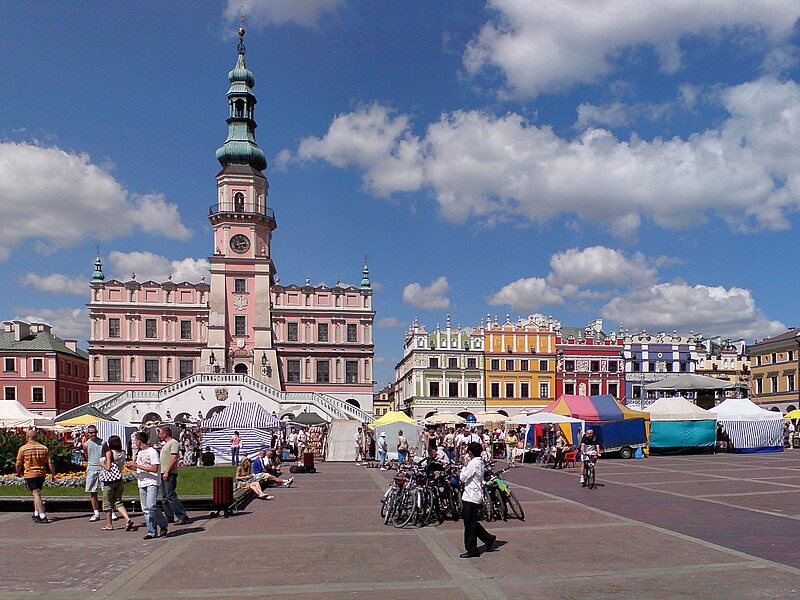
{"x":112,"y":474}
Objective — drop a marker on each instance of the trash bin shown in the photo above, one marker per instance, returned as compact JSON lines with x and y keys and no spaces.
{"x":308,"y":462}
{"x":222,"y":493}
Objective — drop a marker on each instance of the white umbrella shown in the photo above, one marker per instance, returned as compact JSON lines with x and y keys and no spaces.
{"x":444,"y":419}
{"x":539,"y":418}
{"x":490,"y":417}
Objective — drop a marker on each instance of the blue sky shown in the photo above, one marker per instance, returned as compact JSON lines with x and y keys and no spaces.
{"x":630,"y":161}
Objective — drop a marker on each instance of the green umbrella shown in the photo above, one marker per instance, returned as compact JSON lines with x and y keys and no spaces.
{"x":309,"y":418}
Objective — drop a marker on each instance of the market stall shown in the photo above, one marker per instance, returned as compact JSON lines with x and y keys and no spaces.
{"x":678,"y":426}
{"x":750,"y":427}
{"x":13,"y":414}
{"x":255,"y":425}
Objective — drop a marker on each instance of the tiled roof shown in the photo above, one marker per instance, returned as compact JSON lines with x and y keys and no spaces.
{"x":789,"y":335}
{"x":41,"y":342}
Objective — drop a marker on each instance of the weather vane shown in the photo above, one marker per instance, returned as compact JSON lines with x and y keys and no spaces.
{"x":243,"y":18}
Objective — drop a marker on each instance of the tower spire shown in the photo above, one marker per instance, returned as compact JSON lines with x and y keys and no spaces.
{"x":98,"y":266}
{"x":240,"y":147}
{"x":365,"y":284}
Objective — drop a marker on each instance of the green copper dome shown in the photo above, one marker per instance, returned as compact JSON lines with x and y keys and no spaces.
{"x":240,"y":147}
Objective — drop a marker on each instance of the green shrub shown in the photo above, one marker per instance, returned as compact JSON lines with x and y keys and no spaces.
{"x":11,"y":440}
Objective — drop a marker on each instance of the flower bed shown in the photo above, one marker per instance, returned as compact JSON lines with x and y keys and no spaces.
{"x":75,"y":479}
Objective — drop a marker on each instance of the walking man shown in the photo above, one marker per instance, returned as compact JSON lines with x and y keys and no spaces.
{"x":33,"y":463}
{"x":170,"y":453}
{"x":472,"y":478}
{"x":95,"y":449}
{"x":148,"y":476}
{"x":383,"y":446}
{"x":358,"y":445}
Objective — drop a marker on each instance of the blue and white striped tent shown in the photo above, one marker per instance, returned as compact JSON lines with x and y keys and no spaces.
{"x":254,"y":424}
{"x":751,"y":428}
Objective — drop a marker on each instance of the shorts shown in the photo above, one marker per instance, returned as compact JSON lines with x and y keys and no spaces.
{"x":112,"y":494}
{"x":34,"y":483}
{"x":589,"y":456}
{"x":92,"y":480}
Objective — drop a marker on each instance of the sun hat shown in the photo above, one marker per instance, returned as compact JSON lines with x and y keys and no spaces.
{"x":383,"y":434}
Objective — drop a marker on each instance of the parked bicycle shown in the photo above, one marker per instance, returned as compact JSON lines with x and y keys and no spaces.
{"x":428,"y":492}
{"x":498,"y":496}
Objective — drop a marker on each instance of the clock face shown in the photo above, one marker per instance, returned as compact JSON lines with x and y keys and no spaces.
{"x":240,"y":243}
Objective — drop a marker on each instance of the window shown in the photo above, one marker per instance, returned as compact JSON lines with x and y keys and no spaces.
{"x":186,"y":330}
{"x":452,"y":363}
{"x":637,"y":367}
{"x":322,"y":332}
{"x":790,"y":383}
{"x":433,"y":362}
{"x":351,"y":371}
{"x":790,"y":355}
{"x":495,"y":364}
{"x":452,"y":389}
{"x":524,"y":390}
{"x":472,"y":390}
{"x":594,"y":366}
{"x":352,"y":332}
{"x":685,"y":367}
{"x":637,"y":391}
{"x":472,"y":363}
{"x":239,"y":286}
{"x":37,"y":395}
{"x":543,"y":365}
{"x":495,"y":389}
{"x":69,"y":396}
{"x":509,"y":390}
{"x":113,"y":328}
{"x":151,"y":370}
{"x":612,"y":389}
{"x":240,"y":325}
{"x":433,"y":388}
{"x":594,"y":389}
{"x":569,"y":366}
{"x":774,"y":357}
{"x":114,"y":369}
{"x":293,"y":371}
{"x":323,"y":371}
{"x":523,"y":365}
{"x":291,"y":332}
{"x":569,"y":389}
{"x":544,"y":390}
{"x":509,"y":365}
{"x":759,"y":386}
{"x":773,"y":384}
{"x":185,"y":368}
{"x":758,"y":360}
{"x":38,"y":365}
{"x":150,"y":328}
{"x":10,"y":393}
{"x":612,"y":366}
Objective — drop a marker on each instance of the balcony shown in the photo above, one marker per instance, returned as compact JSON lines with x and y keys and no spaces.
{"x":242,"y":209}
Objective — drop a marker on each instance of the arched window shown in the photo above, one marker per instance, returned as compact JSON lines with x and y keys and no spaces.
{"x":240,"y":368}
{"x":239,"y":109}
{"x":238,"y":202}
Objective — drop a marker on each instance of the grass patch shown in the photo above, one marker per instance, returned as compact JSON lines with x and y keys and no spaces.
{"x":192,"y":481}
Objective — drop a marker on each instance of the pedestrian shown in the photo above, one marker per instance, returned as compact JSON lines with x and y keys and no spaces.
{"x":148,"y":478}
{"x":383,"y":446}
{"x":302,"y":444}
{"x":114,"y":489}
{"x":450,"y":443}
{"x":170,"y":454}
{"x":33,"y":464}
{"x":402,"y":448}
{"x":94,"y":449}
{"x":236,"y":445}
{"x":359,"y":447}
{"x":472,"y":478}
{"x":77,"y":448}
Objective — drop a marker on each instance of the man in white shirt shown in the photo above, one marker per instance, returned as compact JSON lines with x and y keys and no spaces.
{"x":148,"y":476}
{"x":472,"y":478}
{"x":358,"y":447}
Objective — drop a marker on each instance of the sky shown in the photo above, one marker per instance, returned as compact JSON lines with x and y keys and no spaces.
{"x":616,"y":159}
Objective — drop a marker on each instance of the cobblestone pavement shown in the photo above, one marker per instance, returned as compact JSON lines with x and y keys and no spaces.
{"x":689,"y":527}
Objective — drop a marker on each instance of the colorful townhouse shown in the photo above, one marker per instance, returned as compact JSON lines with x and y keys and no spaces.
{"x":774,"y":371}
{"x":519,"y":363}
{"x":589,"y":362}
{"x":725,"y":359}
{"x":441,"y":371}
{"x":44,"y":373}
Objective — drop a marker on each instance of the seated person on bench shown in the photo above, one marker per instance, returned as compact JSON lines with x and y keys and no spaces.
{"x":245,"y":477}
{"x":272,"y":464}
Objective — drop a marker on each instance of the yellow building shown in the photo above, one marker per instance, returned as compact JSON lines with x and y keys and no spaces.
{"x":727,"y":360}
{"x":520,"y":364}
{"x":774,"y":371}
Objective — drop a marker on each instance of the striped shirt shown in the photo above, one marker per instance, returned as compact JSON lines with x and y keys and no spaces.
{"x":32,"y":460}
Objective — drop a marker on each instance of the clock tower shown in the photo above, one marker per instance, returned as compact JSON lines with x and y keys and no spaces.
{"x":240,"y":336}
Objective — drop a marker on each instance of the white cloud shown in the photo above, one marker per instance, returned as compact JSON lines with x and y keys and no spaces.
{"x":704,"y":309}
{"x":390,"y":323}
{"x":57,"y":283}
{"x":67,"y":323}
{"x":620,"y":114}
{"x":147,"y":265}
{"x":307,"y":13}
{"x":542,"y":47}
{"x":429,"y":298}
{"x":598,"y":266}
{"x":525,"y":295}
{"x":4,"y":253}
{"x":43,"y":249}
{"x":59,"y":198}
{"x":489,"y":168}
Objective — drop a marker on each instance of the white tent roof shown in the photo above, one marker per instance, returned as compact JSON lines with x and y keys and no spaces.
{"x":690,"y":381}
{"x":743,"y":409}
{"x":13,"y":414}
{"x":538,"y":418}
{"x":677,"y":408}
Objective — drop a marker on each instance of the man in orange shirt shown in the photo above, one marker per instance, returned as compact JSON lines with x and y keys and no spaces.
{"x":33,"y":463}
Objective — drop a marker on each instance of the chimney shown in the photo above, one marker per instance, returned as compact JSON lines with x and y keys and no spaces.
{"x":21,"y":330}
{"x":72,"y":345}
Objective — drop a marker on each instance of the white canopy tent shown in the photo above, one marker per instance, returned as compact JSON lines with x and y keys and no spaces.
{"x":678,"y":426}
{"x":677,"y":408}
{"x":13,"y":414}
{"x":540,"y":418}
{"x":750,"y":427}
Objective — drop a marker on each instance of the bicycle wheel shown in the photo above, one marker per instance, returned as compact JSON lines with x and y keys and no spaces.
{"x":486,"y":507}
{"x":498,"y":505}
{"x":424,"y":506}
{"x":405,"y":508}
{"x":385,"y":502}
{"x":516,"y":507}
{"x":388,"y":507}
{"x":590,"y":477}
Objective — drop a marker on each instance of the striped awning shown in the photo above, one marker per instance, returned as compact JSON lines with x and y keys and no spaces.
{"x":242,"y":415}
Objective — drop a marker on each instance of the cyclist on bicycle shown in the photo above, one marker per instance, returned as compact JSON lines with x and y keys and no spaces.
{"x":590,"y":451}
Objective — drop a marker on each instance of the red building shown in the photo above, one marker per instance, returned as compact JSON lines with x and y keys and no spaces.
{"x":590,"y":362}
{"x":44,"y":373}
